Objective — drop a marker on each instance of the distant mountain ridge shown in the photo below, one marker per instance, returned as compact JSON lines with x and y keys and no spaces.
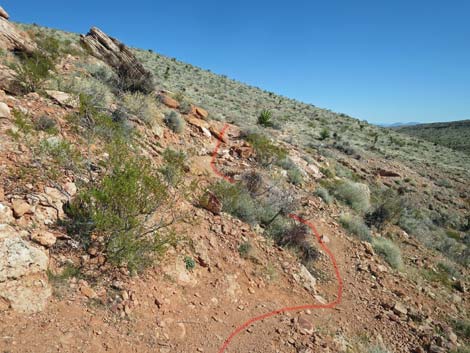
{"x":452,"y":134}
{"x":394,"y":125}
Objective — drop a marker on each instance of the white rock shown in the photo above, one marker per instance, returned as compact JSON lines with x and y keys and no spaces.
{"x":4,"y":111}
{"x":70,"y":188}
{"x":6,"y":214}
{"x":63,"y":98}
{"x":23,"y":280}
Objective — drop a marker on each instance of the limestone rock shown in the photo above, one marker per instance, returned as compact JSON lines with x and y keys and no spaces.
{"x":118,"y":56}
{"x":23,"y":281}
{"x":6,"y":214}
{"x":4,"y":111}
{"x":11,"y":38}
{"x":309,"y":281}
{"x":64,"y":99}
{"x":70,"y":188}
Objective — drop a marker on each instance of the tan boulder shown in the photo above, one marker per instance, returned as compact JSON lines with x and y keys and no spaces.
{"x":44,"y":238}
{"x":6,"y":215}
{"x":199,"y":112}
{"x":197,"y":122}
{"x":20,"y":208}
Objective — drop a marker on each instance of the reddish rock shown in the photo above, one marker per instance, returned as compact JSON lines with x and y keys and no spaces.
{"x":197,"y":122}
{"x":168,"y":101}
{"x":386,"y":173}
{"x":216,"y":132}
{"x":211,"y":203}
{"x":201,"y":113}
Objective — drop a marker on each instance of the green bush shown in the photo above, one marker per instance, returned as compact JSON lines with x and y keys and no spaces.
{"x":356,"y":226}
{"x":133,"y":79}
{"x":175,"y":122}
{"x":245,"y":249}
{"x":324,"y":195}
{"x":117,"y":206}
{"x":236,"y":200}
{"x":141,"y":105}
{"x":389,"y":251}
{"x":295,"y":176}
{"x":265,"y":118}
{"x":266,"y":152}
{"x":33,"y":70}
{"x":355,"y":195}
{"x":324,"y":134}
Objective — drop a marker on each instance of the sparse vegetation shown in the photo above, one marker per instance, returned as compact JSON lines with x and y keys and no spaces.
{"x":266,"y":151}
{"x":175,"y":122}
{"x":356,"y":226}
{"x":356,"y":195}
{"x":389,"y":251}
{"x":324,"y":195}
{"x":33,"y":70}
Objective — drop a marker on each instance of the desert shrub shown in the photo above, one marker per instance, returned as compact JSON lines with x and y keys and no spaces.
{"x":132,"y":79}
{"x":324,"y":195}
{"x":189,"y":263}
{"x":389,"y":251}
{"x":44,"y":123}
{"x":236,"y":200}
{"x":99,"y":93}
{"x":355,"y":195}
{"x":245,"y":249}
{"x":297,"y":237}
{"x":174,"y":166}
{"x":33,"y":70}
{"x":61,"y":152}
{"x":266,"y":151}
{"x":324,"y":134}
{"x":141,"y":105}
{"x":356,"y":226}
{"x":265,"y":118}
{"x":175,"y":122}
{"x":387,"y":209}
{"x":117,"y":206}
{"x":462,"y":328}
{"x":295,"y":176}
{"x":253,"y":182}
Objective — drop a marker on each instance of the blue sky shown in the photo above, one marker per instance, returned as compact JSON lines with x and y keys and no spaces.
{"x":383,"y":61}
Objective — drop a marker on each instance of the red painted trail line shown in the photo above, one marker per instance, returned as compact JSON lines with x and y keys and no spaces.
{"x":251,"y":321}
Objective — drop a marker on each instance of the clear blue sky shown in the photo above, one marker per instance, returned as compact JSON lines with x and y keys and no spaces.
{"x":383,"y":61}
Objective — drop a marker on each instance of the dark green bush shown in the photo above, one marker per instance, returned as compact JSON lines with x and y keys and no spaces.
{"x":324,"y":134}
{"x":33,"y":70}
{"x":117,"y":206}
{"x":174,"y":166}
{"x":266,"y":152}
{"x":134,"y":79}
{"x":265,"y":118}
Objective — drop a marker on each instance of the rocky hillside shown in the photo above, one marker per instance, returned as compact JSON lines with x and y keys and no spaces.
{"x":453,"y":134}
{"x":150,"y":206}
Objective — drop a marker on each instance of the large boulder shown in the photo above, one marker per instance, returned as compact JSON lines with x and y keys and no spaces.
{"x":119,"y":57}
{"x":11,"y":38}
{"x":8,"y":81}
{"x":23,"y":280}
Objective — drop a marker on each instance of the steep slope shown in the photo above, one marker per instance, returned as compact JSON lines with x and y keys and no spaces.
{"x":117,"y":220}
{"x":453,"y":134}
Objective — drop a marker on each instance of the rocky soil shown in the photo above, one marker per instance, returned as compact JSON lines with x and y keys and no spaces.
{"x":173,"y":308}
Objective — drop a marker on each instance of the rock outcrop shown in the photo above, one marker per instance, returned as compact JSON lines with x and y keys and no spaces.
{"x":116,"y":55}
{"x":23,"y":280}
{"x":8,"y":81}
{"x":11,"y":38}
